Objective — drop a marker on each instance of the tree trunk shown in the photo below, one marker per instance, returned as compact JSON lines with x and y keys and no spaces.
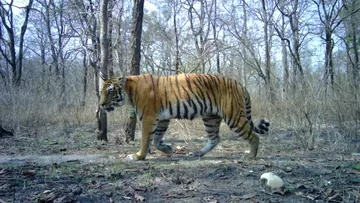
{"x":110,"y":43}
{"x":177,"y":49}
{"x":268,"y":83}
{"x":244,"y":50}
{"x":83,"y":99}
{"x":356,"y":67}
{"x":138,"y":12}
{"x":21,"y":43}
{"x":104,"y":57}
{"x":294,"y":22}
{"x":9,"y":51}
{"x":119,"y":46}
{"x":215,"y":38}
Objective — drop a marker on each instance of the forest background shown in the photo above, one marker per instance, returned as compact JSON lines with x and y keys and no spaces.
{"x":299,"y":59}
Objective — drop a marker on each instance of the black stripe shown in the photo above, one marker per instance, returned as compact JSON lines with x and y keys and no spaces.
{"x":231,"y":112}
{"x":170,"y":108}
{"x":141,"y":117}
{"x":209,"y":98}
{"x":236,"y":121}
{"x":263,"y":128}
{"x":251,"y":124}
{"x":249,"y":133}
{"x":171,"y":87}
{"x":186,"y":111}
{"x":213,"y":94}
{"x":177,"y":107}
{"x":153,"y":86}
{"x":218,"y":79}
{"x":153,"y":132}
{"x":205,"y":81}
{"x":239,"y":129}
{"x":201,"y":105}
{"x":161,"y":106}
{"x":195,"y":110}
{"x":204,"y":100}
{"x":166,"y":97}
{"x":177,"y":85}
{"x":187,"y":94}
{"x":209,"y":125}
{"x":161,"y":130}
{"x":210,"y":118}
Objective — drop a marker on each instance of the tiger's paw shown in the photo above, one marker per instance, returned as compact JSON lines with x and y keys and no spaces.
{"x":250,"y":158}
{"x":134,"y":157}
{"x":167,"y":149}
{"x":196,"y":154}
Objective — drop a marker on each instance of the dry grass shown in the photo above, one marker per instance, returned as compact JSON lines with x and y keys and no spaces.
{"x":315,"y":118}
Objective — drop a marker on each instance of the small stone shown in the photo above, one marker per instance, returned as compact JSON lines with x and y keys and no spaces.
{"x":69,"y":198}
{"x":272,"y":181}
{"x":288,"y":169}
{"x":109,"y":194}
{"x":48,"y":197}
{"x":76,"y":190}
{"x":29,"y":173}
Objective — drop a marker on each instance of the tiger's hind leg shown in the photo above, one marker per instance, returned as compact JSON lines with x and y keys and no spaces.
{"x":158,"y":138}
{"x":212,"y":125}
{"x":244,"y":129}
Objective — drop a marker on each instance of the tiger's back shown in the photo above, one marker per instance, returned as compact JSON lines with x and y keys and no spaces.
{"x":186,"y":96}
{"x":156,"y":100}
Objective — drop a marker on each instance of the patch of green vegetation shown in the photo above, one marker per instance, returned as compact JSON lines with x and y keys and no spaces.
{"x":356,"y":166}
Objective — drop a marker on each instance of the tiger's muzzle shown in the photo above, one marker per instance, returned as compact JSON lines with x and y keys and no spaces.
{"x":117,"y":101}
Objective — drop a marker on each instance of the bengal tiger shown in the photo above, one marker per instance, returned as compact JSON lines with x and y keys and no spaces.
{"x":156,"y":100}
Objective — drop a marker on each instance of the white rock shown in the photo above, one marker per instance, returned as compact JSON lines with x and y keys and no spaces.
{"x":271,"y":181}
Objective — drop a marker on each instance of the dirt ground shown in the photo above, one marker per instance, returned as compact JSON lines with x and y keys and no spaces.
{"x":98,"y":172}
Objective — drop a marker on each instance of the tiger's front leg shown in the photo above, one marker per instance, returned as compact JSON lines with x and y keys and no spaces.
{"x":147,"y":133}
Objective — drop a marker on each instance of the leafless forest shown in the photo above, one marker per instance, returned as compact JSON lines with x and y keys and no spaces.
{"x":299,"y":59}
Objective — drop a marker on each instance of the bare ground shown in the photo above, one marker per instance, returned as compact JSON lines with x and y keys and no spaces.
{"x":100,"y":173}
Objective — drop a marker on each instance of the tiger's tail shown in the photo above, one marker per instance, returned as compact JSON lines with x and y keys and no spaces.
{"x":262,"y":125}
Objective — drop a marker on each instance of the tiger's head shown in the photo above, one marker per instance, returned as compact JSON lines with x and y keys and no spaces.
{"x":112,"y":93}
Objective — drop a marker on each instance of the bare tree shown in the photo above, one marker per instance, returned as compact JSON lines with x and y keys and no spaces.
{"x":8,"y":43}
{"x":215,"y":35}
{"x":200,"y":32}
{"x":104,"y":59}
{"x":88,"y":36}
{"x":284,"y":54}
{"x":266,"y":17}
{"x":291,"y":11}
{"x":329,"y":14}
{"x":176,"y":10}
{"x":118,"y":45}
{"x":245,"y":37}
{"x":137,"y":17}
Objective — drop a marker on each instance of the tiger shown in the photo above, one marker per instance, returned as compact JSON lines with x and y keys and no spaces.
{"x":157,"y":99}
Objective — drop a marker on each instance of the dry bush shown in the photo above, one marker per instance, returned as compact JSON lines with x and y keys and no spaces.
{"x":311,"y":116}
{"x":38,"y":102}
{"x":314,"y":116}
